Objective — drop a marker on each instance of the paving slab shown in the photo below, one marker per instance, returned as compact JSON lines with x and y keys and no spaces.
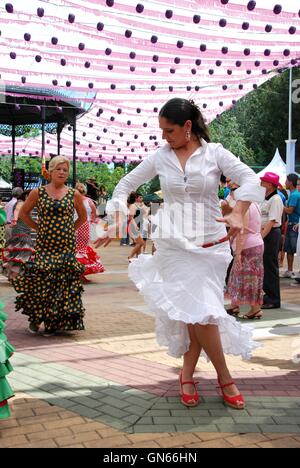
{"x":113,"y":386}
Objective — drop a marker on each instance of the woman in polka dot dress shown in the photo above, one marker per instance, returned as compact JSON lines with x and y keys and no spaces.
{"x":85,"y":254}
{"x":50,"y":289}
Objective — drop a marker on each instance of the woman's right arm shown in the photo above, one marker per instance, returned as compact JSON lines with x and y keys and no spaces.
{"x":144,"y":172}
{"x":25,"y":212}
{"x":117,"y":206}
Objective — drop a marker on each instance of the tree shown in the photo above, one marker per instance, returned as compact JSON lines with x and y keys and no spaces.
{"x":5,"y":168}
{"x":226,"y":131}
{"x":262,"y":117}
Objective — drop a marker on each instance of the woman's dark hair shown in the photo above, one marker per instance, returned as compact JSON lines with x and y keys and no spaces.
{"x":132,"y":198}
{"x":284,"y":192}
{"x":179,"y":110}
{"x":24,"y":195}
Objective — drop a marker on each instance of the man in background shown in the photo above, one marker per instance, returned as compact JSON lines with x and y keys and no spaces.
{"x":292,"y":209}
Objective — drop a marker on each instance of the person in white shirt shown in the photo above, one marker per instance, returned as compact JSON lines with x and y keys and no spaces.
{"x":183,"y":281}
{"x":271,"y":211}
{"x":9,"y":210}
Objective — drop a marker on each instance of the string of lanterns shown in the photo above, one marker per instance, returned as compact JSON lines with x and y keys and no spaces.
{"x":139,"y":55}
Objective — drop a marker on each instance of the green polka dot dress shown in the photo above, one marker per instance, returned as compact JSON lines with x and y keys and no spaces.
{"x":6,"y":351}
{"x":50,"y":288}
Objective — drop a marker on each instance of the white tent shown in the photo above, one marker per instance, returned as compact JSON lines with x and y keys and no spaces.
{"x":3,"y":184}
{"x":278,"y":166}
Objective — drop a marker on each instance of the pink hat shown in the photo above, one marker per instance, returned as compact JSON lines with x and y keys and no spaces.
{"x":271,"y":177}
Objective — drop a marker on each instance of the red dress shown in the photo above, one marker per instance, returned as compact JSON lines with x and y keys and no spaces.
{"x":85,"y":254}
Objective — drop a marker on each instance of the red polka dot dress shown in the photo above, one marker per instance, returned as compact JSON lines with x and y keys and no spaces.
{"x":85,"y":254}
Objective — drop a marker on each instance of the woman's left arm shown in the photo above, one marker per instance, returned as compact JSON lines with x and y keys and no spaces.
{"x":80,"y":208}
{"x":249,"y":191}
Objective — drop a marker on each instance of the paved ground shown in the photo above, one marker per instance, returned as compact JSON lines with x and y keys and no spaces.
{"x":112,"y":386}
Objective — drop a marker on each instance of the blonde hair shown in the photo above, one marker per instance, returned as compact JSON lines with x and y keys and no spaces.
{"x":58,"y":160}
{"x":81,"y":188}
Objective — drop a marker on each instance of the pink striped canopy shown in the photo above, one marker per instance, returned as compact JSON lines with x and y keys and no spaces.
{"x":135,"y":55}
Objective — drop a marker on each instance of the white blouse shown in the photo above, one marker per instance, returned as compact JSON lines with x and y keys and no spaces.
{"x":197,"y":185}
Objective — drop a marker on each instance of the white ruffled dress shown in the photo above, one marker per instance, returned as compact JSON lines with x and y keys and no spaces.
{"x":183,"y":283}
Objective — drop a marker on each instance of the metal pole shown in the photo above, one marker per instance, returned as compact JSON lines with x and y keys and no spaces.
{"x":290,"y":143}
{"x":74,"y":150}
{"x":290,"y":105}
{"x":13,"y":134}
{"x":43,"y":130}
{"x":58,"y":138}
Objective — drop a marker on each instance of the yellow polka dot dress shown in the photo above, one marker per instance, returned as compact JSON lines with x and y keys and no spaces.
{"x":50,"y":288}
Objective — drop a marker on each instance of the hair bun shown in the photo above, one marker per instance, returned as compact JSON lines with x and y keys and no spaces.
{"x":193,"y":104}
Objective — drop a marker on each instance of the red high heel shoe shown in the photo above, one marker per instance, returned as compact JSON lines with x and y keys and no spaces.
{"x":186,"y":399}
{"x":234,"y":401}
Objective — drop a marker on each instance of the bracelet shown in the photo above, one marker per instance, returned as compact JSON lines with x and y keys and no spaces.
{"x":211,"y":244}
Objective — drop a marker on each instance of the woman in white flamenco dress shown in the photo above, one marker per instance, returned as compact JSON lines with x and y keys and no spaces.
{"x":183,"y":282}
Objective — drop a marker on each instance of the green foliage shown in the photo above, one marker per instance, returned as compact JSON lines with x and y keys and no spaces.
{"x":29,"y":132}
{"x":103,"y":174}
{"x":226,"y":131}
{"x":29,"y":164}
{"x":262,"y":118}
{"x":5,"y":168}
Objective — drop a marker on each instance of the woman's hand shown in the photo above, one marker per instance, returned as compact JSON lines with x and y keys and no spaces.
{"x":235,"y":223}
{"x":296,"y":227}
{"x":238,"y":259}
